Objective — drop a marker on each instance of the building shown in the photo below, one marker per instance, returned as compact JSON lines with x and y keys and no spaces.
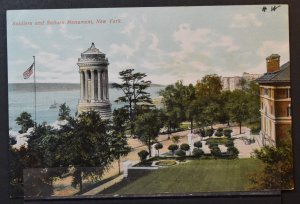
{"x":275,"y":100}
{"x":94,"y":90}
{"x":232,"y":83}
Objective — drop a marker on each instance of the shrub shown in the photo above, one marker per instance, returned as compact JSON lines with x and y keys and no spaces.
{"x":220,"y":129}
{"x":173,"y":148}
{"x":175,"y":139}
{"x":158,"y":146}
{"x":218,"y":133}
{"x":185,"y":147}
{"x":198,"y":152}
{"x":180,"y":153}
{"x":234,"y":152}
{"x":215,"y":151}
{"x":229,"y":143}
{"x":198,"y":144}
{"x":227,"y":132}
{"x":202,"y":132}
{"x":143,"y":155}
{"x":212,"y":145}
{"x":209,"y":132}
{"x":255,"y":130}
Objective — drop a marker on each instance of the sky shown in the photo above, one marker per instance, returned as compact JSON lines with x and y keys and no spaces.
{"x":166,"y":43}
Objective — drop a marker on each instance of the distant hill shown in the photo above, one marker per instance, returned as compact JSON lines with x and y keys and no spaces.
{"x":42,"y":87}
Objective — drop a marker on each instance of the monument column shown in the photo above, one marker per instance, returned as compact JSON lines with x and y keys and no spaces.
{"x":104,"y":85}
{"x":81,"y":85}
{"x":86,"y":77}
{"x":107,"y":85}
{"x":92,"y":85}
{"x":99,"y":87}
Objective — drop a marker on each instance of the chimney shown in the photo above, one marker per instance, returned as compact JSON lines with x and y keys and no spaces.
{"x":273,"y":63}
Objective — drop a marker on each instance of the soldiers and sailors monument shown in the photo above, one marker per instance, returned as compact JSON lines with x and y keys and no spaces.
{"x":94,"y":88}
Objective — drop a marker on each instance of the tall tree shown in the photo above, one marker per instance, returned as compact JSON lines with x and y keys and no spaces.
{"x":25,"y":121}
{"x":147,"y":128}
{"x":87,"y":143}
{"x":238,"y":107}
{"x":64,"y":112}
{"x":134,"y":92}
{"x":119,"y":141}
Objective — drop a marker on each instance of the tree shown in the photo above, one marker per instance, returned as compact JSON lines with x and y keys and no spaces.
{"x":180,"y":153}
{"x":278,"y":167}
{"x":173,"y":148}
{"x":198,"y":144}
{"x":64,"y":112}
{"x":209,"y":86}
{"x":119,"y":141}
{"x":147,"y":128}
{"x":238,"y":107}
{"x":87,"y":142}
{"x":134,"y":92}
{"x":25,"y":121}
{"x":143,"y":155}
{"x":197,"y":152}
{"x":158,"y":146}
{"x":185,"y":147}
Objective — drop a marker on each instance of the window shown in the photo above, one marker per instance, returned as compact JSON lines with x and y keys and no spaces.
{"x":266,"y":91}
{"x":289,"y":111}
{"x":287,"y":91}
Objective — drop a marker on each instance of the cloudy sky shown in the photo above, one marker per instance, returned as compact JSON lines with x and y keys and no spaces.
{"x":168,"y":43}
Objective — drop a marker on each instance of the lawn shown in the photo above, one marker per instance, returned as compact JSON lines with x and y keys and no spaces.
{"x":196,"y":176}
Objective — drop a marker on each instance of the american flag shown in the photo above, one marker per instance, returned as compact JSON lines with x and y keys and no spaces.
{"x":28,"y":72}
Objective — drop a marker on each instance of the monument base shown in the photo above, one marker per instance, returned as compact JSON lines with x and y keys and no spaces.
{"x":102,"y":107}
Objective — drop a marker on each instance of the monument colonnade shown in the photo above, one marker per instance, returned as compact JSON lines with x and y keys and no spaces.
{"x":94,"y":84}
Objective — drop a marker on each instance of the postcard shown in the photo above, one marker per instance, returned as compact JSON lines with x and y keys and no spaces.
{"x":117,"y":102}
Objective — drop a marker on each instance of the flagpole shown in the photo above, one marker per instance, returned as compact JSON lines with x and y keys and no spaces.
{"x":34,"y":92}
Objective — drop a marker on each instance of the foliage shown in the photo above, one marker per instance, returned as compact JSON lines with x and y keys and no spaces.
{"x":147,"y":128}
{"x":278,"y":169}
{"x":175,"y":139}
{"x":238,"y":107}
{"x":219,"y":133}
{"x":64,"y":112}
{"x":119,"y":141}
{"x":25,"y":121}
{"x":158,"y":146}
{"x":166,"y":163}
{"x":209,"y":132}
{"x":180,"y":153}
{"x":173,"y":148}
{"x":143,"y":155}
{"x":229,"y":143}
{"x":215,"y":151}
{"x":135,"y":96}
{"x":185,"y":147}
{"x":198,"y":144}
{"x":197,"y":152}
{"x":233,"y":151}
{"x":227,"y":132}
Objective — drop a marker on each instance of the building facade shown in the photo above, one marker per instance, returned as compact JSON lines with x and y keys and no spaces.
{"x":94,"y":87}
{"x":233,"y":83}
{"x":275,"y":101}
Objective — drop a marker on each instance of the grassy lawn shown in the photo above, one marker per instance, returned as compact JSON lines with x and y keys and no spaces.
{"x":196,"y":176}
{"x":222,"y":140}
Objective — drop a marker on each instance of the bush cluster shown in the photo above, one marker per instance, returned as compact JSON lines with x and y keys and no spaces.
{"x":180,"y":153}
{"x":215,"y":151}
{"x":143,"y":155}
{"x":227,"y":132}
{"x":197,"y":152}
{"x":229,"y":143}
{"x":209,"y":132}
{"x":233,"y":152}
{"x":198,"y":144}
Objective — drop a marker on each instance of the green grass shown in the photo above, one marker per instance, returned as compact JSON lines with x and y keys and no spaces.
{"x":196,"y":176}
{"x":223,"y":140}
